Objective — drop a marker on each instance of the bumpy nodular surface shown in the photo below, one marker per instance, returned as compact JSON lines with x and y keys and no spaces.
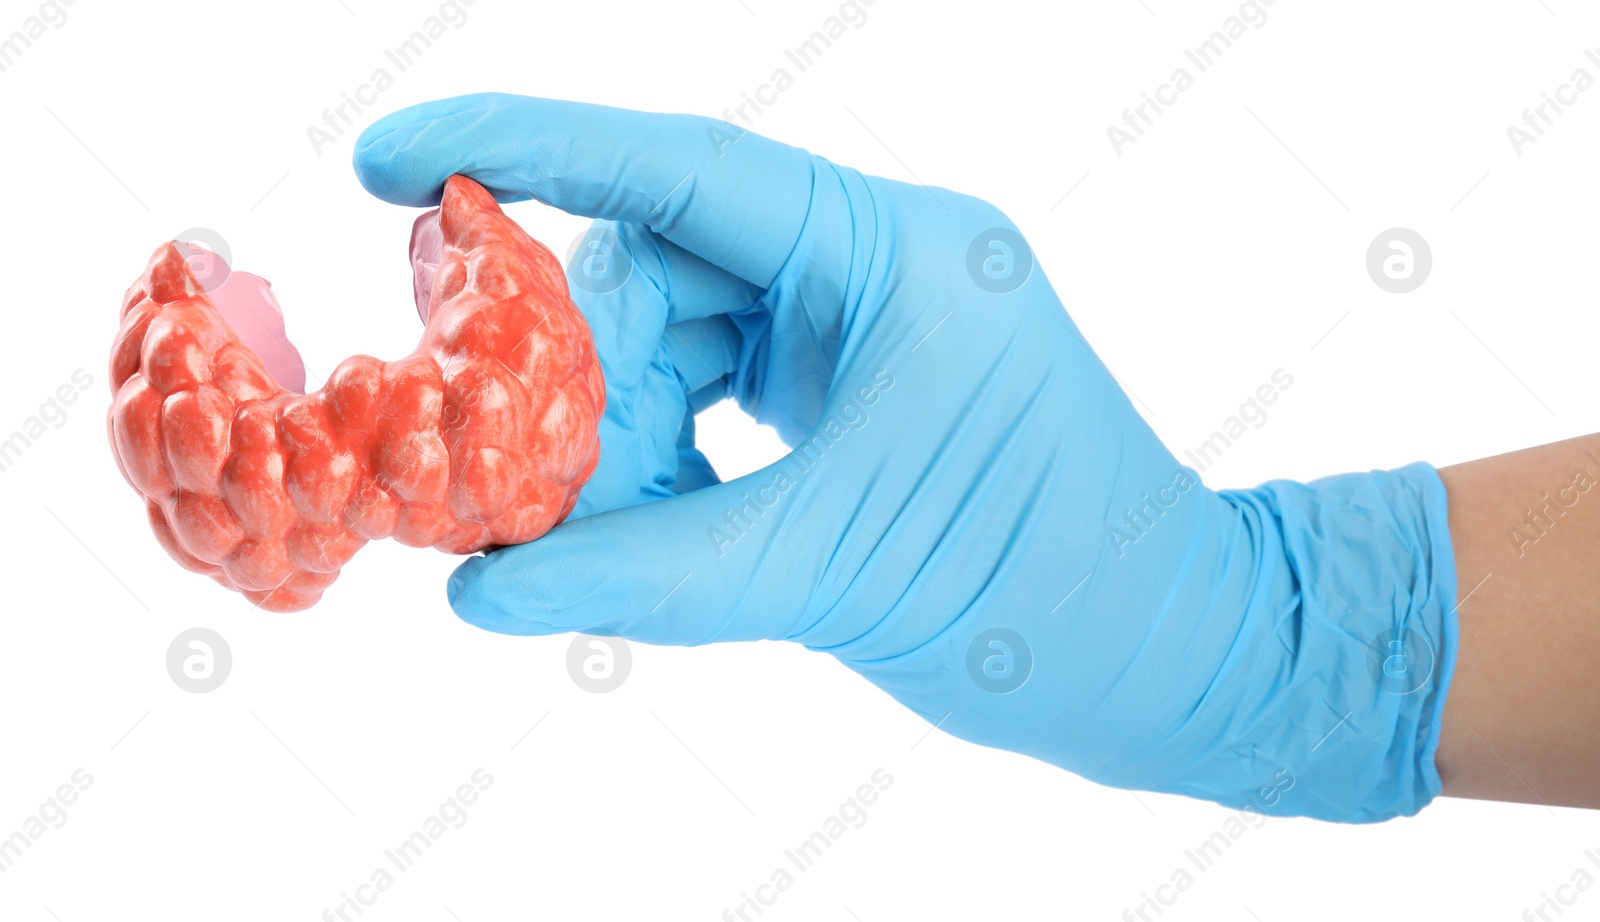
{"x":481,"y":437}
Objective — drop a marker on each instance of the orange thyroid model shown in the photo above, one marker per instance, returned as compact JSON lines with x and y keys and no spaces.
{"x":481,"y":437}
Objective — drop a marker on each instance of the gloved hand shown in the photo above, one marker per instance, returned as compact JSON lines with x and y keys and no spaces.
{"x":973,"y":516}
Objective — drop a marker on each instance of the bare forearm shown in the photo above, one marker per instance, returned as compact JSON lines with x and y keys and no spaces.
{"x":1523,"y":711}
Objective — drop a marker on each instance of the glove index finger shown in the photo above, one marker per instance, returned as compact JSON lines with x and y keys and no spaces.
{"x":732,"y":197}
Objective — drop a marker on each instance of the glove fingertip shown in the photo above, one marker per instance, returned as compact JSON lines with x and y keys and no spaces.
{"x":480,"y":604}
{"x":394,"y":177}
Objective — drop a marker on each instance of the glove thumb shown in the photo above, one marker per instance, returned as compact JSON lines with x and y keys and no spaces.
{"x":684,"y":570}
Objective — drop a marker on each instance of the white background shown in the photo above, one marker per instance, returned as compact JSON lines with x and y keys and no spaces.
{"x":1225,"y":244}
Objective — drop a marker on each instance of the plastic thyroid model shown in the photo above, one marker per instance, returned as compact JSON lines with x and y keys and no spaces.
{"x":481,"y":437}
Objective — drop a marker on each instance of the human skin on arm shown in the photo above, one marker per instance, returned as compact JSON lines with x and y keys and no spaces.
{"x":1522,"y":719}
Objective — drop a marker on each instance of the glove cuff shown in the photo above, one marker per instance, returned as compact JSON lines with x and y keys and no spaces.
{"x":1357,"y":586}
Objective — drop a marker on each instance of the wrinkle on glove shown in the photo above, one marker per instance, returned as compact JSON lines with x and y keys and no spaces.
{"x":1352,"y":616}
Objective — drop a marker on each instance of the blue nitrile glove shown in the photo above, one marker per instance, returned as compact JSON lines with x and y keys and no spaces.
{"x":973,"y":517}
